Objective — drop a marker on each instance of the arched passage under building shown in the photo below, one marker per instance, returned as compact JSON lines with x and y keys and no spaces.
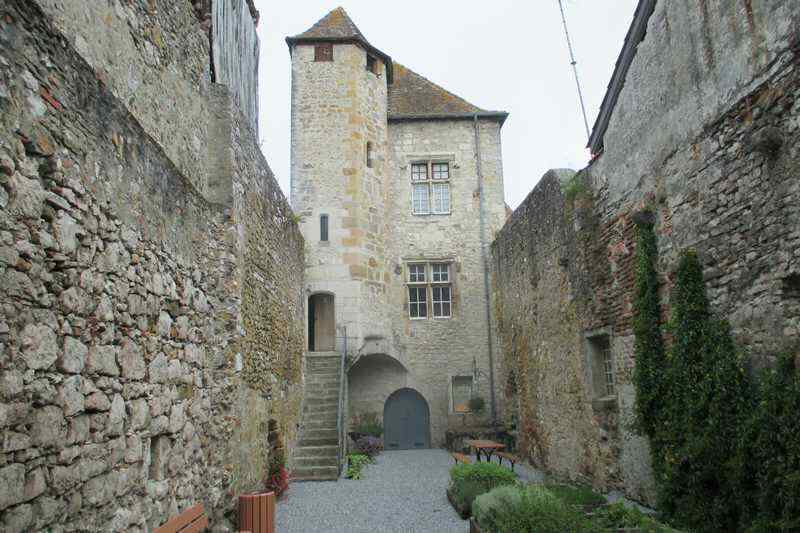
{"x":406,"y":421}
{"x":321,"y":323}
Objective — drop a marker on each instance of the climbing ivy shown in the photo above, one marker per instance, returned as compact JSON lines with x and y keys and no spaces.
{"x":649,"y":346}
{"x":725,"y":452}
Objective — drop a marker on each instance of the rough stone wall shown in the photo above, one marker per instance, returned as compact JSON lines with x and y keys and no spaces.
{"x":127,"y":297}
{"x":337,"y":107}
{"x":434,"y":350}
{"x":154,"y":57}
{"x":708,"y":158}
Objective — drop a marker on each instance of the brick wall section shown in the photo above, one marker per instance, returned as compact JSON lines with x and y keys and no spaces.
{"x":126,"y":296}
{"x":715,"y":187}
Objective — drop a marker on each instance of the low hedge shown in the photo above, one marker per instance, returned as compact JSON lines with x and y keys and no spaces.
{"x":513,"y":509}
{"x":470,"y":481}
{"x":521,"y":509}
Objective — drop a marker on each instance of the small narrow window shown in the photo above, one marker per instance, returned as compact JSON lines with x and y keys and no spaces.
{"x":369,"y":154}
{"x":372,"y":64}
{"x":323,"y":228}
{"x":462,"y":392}
{"x":601,"y":361}
{"x":323,"y":52}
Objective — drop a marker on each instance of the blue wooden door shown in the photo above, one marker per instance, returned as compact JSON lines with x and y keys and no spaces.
{"x":406,"y":421}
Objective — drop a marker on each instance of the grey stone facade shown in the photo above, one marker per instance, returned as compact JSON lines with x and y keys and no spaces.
{"x":129,"y":285}
{"x":337,"y":108}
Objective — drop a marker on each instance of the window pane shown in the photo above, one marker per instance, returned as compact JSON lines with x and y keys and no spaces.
{"x":441,"y":272}
{"x":423,"y":310}
{"x":441,"y":197}
{"x":462,"y":391}
{"x":416,"y":273}
{"x":419,"y":172}
{"x":420,"y":199}
{"x":445,"y":309}
{"x":441,"y":171}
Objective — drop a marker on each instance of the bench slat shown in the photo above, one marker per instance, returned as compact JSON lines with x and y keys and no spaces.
{"x":201,"y":524}
{"x":178,"y":523}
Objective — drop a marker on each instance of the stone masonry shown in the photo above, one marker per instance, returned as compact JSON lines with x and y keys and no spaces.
{"x":705,"y":133}
{"x":359,"y":121}
{"x":150,"y":274}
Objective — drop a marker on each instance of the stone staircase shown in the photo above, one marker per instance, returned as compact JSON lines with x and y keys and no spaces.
{"x":316,"y":454}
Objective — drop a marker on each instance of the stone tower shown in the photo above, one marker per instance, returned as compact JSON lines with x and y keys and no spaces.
{"x":339,"y":177}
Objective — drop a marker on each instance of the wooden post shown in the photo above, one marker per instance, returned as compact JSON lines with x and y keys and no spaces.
{"x":257,"y":512}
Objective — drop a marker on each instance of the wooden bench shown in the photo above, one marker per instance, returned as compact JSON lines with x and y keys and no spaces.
{"x":191,"y":520}
{"x":513,"y":459}
{"x":460,"y":458}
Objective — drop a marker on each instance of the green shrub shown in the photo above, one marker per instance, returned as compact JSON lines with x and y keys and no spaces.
{"x":477,"y":404}
{"x":617,"y":515}
{"x":469,"y":481}
{"x":774,"y":449}
{"x":368,"y":424}
{"x":355,"y":462}
{"x":483,"y":472}
{"x":580,"y":495}
{"x":522,"y":510}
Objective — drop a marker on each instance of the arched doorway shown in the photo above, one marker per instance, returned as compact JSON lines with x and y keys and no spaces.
{"x":321,"y":323}
{"x":406,"y":421}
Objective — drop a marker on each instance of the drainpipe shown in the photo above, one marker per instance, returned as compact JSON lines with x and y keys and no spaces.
{"x":485,"y":261}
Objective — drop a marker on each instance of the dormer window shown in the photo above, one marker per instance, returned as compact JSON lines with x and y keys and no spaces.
{"x":323,"y":52}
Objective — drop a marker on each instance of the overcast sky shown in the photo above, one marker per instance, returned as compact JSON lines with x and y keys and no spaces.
{"x":507,"y":55}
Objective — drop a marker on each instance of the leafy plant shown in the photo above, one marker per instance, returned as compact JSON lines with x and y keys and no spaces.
{"x":355,"y":463}
{"x":368,"y":424}
{"x":277,"y":479}
{"x":477,"y":404}
{"x":370,"y":446}
{"x":773,"y":433}
{"x":617,"y":515}
{"x":525,"y":509}
{"x":648,"y":374}
{"x":572,"y":495}
{"x":469,"y":481}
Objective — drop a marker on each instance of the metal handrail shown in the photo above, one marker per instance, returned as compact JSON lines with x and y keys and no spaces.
{"x":339,"y":421}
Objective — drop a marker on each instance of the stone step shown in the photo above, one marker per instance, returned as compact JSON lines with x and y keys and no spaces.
{"x":333,"y":387}
{"x":317,"y":412}
{"x":300,"y":462}
{"x":318,"y":441}
{"x":317,"y":473}
{"x":323,"y":395}
{"x":322,"y":382}
{"x":303,"y":452}
{"x":319,"y":423}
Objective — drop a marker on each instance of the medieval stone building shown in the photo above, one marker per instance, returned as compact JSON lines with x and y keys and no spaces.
{"x":399,"y":186}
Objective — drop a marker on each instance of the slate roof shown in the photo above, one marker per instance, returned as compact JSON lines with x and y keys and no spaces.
{"x":411,"y":96}
{"x":636,"y":34}
{"x":337,"y":26}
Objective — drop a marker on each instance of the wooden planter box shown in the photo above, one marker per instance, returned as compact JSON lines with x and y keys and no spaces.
{"x":463,"y":512}
{"x":257,"y":512}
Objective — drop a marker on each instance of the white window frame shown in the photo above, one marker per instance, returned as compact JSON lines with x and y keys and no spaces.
{"x":432,"y":276}
{"x":431,"y":183}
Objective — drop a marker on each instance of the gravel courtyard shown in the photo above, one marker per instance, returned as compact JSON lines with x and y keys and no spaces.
{"x":403,"y":491}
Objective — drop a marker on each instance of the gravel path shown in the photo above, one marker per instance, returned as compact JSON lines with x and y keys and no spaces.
{"x":403,"y":491}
